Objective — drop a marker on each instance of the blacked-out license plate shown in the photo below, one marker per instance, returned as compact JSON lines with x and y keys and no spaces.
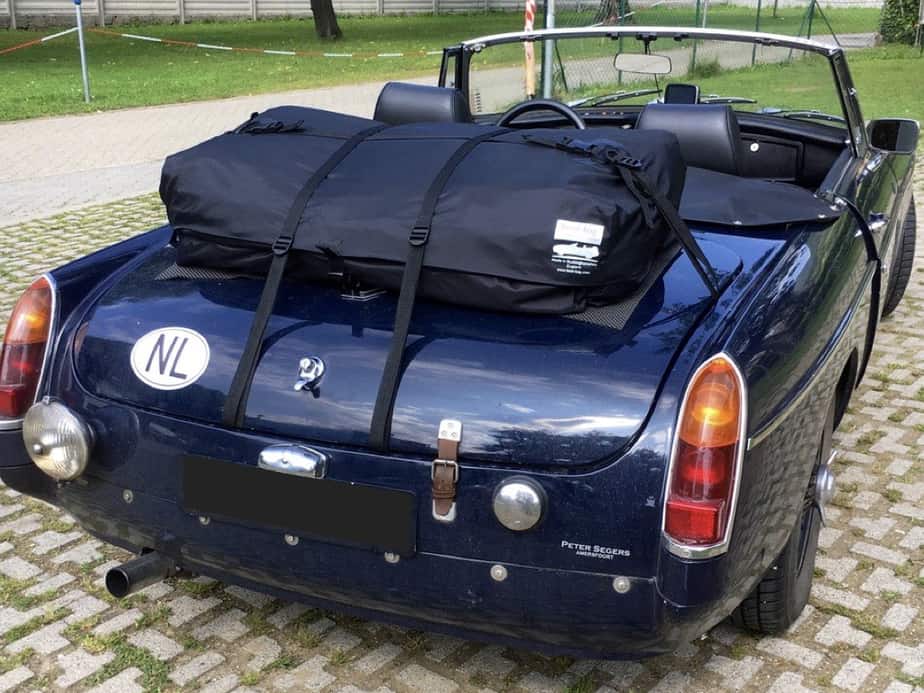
{"x":340,"y":512}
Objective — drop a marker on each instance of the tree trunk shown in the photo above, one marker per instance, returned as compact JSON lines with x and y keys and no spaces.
{"x":325,"y":19}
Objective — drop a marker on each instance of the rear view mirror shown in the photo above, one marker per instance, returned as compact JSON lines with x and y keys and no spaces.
{"x":898,"y":135}
{"x":643,"y":63}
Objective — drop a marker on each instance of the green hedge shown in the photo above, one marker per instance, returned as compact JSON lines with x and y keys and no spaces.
{"x":899,"y":21}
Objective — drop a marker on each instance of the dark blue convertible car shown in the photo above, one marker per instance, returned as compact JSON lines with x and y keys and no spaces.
{"x":570,"y":467}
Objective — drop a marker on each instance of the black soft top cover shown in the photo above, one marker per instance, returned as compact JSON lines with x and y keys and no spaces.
{"x":517,"y":227}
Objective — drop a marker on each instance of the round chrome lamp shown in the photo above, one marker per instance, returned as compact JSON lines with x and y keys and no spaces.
{"x":519,"y":503}
{"x":57,"y":440}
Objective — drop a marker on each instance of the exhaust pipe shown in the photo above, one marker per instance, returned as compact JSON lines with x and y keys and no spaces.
{"x":138,"y":573}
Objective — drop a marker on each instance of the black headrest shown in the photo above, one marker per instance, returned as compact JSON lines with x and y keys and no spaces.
{"x":400,"y":102}
{"x":708,"y":133}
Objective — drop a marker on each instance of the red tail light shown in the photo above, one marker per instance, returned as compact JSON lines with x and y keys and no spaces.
{"x":706,"y":460}
{"x":24,"y":349}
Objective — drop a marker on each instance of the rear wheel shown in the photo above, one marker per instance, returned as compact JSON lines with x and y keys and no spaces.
{"x":902,"y":260}
{"x":782,"y":593}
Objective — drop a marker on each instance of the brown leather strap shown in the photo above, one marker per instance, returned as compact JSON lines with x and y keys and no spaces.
{"x":445,"y":469}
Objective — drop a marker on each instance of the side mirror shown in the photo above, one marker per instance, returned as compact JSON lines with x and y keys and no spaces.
{"x":897,"y":135}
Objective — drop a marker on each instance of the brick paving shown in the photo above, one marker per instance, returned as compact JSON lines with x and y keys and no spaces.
{"x":864,"y":629}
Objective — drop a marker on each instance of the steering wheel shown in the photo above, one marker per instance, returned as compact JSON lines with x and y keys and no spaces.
{"x":542,"y":105}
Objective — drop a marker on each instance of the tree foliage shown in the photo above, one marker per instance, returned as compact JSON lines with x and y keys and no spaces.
{"x":899,"y":20}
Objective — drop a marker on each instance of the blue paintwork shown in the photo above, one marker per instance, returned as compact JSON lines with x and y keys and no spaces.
{"x":797,"y":312}
{"x":533,"y":390}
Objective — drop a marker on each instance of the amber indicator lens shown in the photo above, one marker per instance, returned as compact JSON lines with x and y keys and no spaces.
{"x":702,"y":480}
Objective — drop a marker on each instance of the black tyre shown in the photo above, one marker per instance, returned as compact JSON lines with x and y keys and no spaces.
{"x":902,"y":261}
{"x":783,"y":591}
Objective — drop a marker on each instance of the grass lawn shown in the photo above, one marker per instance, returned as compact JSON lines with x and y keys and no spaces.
{"x":45,"y":79}
{"x":889,"y":80}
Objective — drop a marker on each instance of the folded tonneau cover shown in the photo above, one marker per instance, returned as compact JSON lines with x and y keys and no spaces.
{"x":516,"y":226}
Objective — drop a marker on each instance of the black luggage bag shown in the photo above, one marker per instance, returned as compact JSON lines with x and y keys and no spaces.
{"x":512,"y":225}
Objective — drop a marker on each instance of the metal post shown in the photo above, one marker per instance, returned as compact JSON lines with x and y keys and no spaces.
{"x":917,"y":39}
{"x":776,"y":4}
{"x":548,"y":51}
{"x":693,"y":53}
{"x":181,"y":11}
{"x":253,"y":10}
{"x":83,"y":52}
{"x":811,"y":16}
{"x":101,"y":12}
{"x":12,"y":7}
{"x":757,"y":29}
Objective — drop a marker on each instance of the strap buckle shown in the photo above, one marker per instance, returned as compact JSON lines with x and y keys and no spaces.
{"x":452,"y":466}
{"x":419,"y":235}
{"x":282,"y":244}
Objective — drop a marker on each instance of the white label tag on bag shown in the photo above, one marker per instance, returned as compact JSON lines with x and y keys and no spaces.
{"x":578,"y":232}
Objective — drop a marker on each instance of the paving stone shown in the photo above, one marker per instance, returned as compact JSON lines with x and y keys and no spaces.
{"x":838,"y":629}
{"x":417,"y":678}
{"x":342,"y":640}
{"x":125,"y":681}
{"x":14,"y":678}
{"x":44,"y":641}
{"x":381,"y":656}
{"x":50,"y":540}
{"x":118,"y":623}
{"x":79,"y":664}
{"x":286,"y":614}
{"x":911,"y":658}
{"x":914,"y":539}
{"x":852,"y":674}
{"x":789,"y":682}
{"x":899,"y":617}
{"x":674,"y":682}
{"x":262,"y":650}
{"x":155,"y":642}
{"x":850,"y":600}
{"x":18,"y":569}
{"x":220,"y":685}
{"x":790,"y":651}
{"x":308,"y":676}
{"x":255,"y":599}
{"x":49,"y":584}
{"x":836,"y":569}
{"x":187,"y":608}
{"x":227,"y":627}
{"x":884,"y":580}
{"x":80,"y":555}
{"x":735,"y":673}
{"x":195,"y":668}
{"x":25,"y":524}
{"x":85,"y":607}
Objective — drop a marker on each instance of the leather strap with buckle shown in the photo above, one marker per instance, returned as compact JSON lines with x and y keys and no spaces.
{"x":444,"y":472}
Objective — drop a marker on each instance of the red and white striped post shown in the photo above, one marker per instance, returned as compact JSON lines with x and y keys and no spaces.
{"x":529,"y":17}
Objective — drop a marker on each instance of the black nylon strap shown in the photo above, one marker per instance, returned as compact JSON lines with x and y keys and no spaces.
{"x":236,"y":401}
{"x":675,"y":223}
{"x":380,"y":429}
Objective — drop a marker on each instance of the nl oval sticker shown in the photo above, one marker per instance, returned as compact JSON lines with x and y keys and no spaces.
{"x":170,"y":358}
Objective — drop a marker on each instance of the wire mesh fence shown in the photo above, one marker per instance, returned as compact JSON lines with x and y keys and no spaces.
{"x":807,"y":18}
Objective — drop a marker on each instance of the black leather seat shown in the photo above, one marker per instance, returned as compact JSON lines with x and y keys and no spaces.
{"x":708,"y":133}
{"x":400,"y":102}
